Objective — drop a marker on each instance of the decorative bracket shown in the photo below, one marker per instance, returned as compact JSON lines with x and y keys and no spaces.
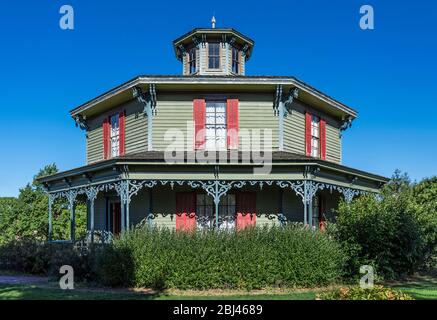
{"x":347,"y":123}
{"x":292,"y":94}
{"x":81,"y":122}
{"x":147,"y":99}
{"x":195,"y":41}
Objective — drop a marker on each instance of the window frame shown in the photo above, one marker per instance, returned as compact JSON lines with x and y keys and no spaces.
{"x":217,"y":146}
{"x":226,"y":208}
{"x":315,"y":138}
{"x":214,"y":56}
{"x":192,"y":60}
{"x":116,"y":137}
{"x":235,"y":60}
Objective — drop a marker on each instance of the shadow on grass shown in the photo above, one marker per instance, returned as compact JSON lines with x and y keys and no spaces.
{"x":28,"y":292}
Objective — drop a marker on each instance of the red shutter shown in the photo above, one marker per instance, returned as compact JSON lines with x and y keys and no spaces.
{"x":106,"y":138}
{"x":246,"y":209}
{"x":322,"y":139}
{"x":185,"y":211}
{"x":199,"y":123}
{"x":121,"y":126}
{"x":307,"y":134}
{"x":232,"y":123}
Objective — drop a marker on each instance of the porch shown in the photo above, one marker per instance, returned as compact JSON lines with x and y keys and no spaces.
{"x":125,"y":191}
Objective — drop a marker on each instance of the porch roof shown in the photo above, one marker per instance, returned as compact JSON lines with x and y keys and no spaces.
{"x":157,"y":158}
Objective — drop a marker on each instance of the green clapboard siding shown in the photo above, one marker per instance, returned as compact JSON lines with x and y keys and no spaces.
{"x":333,"y":143}
{"x":94,"y":140}
{"x":256,"y":115}
{"x":136,"y":128}
{"x":294,"y":132}
{"x":175,"y":115}
{"x":136,"y":131}
{"x":173,"y":125}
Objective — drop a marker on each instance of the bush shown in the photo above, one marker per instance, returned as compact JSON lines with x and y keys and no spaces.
{"x":42,"y":258}
{"x":378,"y":292}
{"x":250,"y":259}
{"x":396,"y":234}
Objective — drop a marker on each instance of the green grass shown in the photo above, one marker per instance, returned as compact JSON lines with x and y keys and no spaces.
{"x":420,"y":288}
{"x":25,"y":292}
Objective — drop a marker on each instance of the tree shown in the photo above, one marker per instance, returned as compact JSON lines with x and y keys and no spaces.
{"x":27,"y":215}
{"x":396,"y":233}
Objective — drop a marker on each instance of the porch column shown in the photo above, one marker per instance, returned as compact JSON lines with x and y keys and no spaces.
{"x":310,"y":212}
{"x":71,"y":199}
{"x":91,"y":193}
{"x":150,"y":209}
{"x":281,"y":126}
{"x":122,"y":188}
{"x":51,"y":199}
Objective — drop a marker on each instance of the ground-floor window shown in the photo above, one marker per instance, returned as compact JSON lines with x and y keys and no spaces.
{"x":205,"y":211}
{"x":235,"y":211}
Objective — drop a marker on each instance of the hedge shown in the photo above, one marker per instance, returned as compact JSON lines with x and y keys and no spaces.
{"x":254,"y":258}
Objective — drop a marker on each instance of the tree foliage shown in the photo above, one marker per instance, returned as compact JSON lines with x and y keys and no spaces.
{"x":396,"y":233}
{"x":27,"y":215}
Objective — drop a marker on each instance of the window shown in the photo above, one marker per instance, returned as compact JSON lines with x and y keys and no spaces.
{"x":205,"y":211}
{"x":213,"y":55}
{"x":192,"y":61}
{"x":115,"y":135}
{"x":315,"y":136}
{"x":215,"y":125}
{"x":235,"y":60}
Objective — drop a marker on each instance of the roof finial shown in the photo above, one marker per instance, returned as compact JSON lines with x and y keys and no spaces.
{"x":213,"y":22}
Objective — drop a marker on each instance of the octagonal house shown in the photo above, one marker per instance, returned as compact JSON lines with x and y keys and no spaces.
{"x":211,"y":148}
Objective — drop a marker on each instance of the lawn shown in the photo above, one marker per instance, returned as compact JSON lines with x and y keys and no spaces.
{"x":420,"y":287}
{"x":27,"y":292}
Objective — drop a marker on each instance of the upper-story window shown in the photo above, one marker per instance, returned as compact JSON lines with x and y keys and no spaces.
{"x":192,"y":61}
{"x":215,"y":125}
{"x":235,"y":60}
{"x":315,"y":136}
{"x":214,"y":55}
{"x":114,"y":135}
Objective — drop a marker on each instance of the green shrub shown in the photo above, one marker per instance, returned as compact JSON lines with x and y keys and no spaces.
{"x":378,"y":292}
{"x":396,"y":234}
{"x":250,"y":259}
{"x":42,"y":258}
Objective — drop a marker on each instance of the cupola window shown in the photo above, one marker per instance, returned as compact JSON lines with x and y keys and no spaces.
{"x":214,"y":55}
{"x":192,"y":61}
{"x":235,"y":61}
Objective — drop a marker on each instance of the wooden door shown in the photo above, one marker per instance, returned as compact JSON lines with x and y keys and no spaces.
{"x":116,"y":218}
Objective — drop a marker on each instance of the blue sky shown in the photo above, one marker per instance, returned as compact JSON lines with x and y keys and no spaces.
{"x":388,"y":74}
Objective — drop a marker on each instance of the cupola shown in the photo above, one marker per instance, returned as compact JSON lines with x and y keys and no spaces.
{"x":213,"y":51}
